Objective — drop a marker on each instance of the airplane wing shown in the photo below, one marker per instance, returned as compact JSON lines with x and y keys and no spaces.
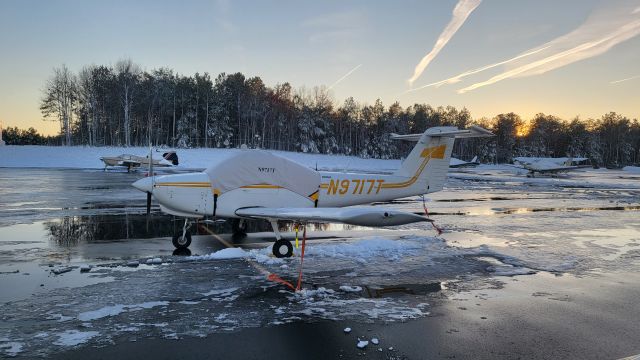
{"x":554,"y":169}
{"x":130,"y":163}
{"x":368,"y":216}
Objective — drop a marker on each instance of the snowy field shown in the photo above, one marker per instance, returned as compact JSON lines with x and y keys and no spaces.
{"x":82,"y":267}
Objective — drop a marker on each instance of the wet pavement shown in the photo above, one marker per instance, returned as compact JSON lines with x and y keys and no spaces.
{"x":521,"y":266}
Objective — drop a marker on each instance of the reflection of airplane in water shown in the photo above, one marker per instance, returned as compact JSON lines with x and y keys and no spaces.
{"x":169,"y":158}
{"x":457,"y":163}
{"x":550,"y":165}
{"x":260,"y":185}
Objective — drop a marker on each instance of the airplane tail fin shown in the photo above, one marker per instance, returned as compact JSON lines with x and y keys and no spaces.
{"x":428,"y":163}
{"x":569,"y":161}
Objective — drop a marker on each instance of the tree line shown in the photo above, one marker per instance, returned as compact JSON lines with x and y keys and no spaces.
{"x":122,"y":105}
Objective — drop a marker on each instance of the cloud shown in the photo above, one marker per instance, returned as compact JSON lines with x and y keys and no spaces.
{"x":604,"y":29}
{"x":344,"y":77}
{"x":460,"y":13}
{"x":458,"y":78}
{"x":626,"y":79}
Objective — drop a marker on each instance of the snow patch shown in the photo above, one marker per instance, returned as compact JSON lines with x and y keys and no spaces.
{"x":367,"y":248}
{"x":220,"y":292}
{"x":347,"y":288}
{"x":229,"y":253}
{"x":75,"y":337}
{"x":12,"y":348}
{"x":117,"y":309}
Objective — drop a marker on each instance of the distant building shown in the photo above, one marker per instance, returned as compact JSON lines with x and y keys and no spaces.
{"x":2,"y":143}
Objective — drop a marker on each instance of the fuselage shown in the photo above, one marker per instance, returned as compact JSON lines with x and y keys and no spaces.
{"x":192,"y":194}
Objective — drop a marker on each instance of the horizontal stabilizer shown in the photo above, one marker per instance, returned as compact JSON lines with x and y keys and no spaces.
{"x":472,"y":132}
{"x":354,"y":216}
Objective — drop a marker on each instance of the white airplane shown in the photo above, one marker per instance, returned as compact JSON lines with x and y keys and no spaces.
{"x":169,"y":158}
{"x":548,"y":165}
{"x":457,"y":163}
{"x":256,"y":184}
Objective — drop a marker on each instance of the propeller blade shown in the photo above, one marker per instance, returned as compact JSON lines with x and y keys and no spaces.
{"x":148,"y":203}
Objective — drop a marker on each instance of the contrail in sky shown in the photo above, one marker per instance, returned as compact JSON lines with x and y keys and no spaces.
{"x":344,"y":77}
{"x":602,"y":31}
{"x":458,"y":78}
{"x":629,"y":78}
{"x":460,"y":13}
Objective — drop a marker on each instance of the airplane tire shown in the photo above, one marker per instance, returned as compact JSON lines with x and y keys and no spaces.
{"x":239,"y":226}
{"x":282,"y":248}
{"x":182,"y":242}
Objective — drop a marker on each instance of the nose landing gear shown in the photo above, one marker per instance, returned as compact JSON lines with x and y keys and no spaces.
{"x":182,"y":240}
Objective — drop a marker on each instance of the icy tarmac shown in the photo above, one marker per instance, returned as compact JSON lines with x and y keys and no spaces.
{"x":526,"y":267}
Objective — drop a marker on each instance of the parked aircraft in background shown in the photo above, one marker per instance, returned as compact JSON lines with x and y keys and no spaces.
{"x":549,"y":165}
{"x":457,"y":163}
{"x":169,"y":158}
{"x":256,"y":184}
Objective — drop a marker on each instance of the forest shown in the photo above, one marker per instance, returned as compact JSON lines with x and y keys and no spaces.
{"x":122,"y":105}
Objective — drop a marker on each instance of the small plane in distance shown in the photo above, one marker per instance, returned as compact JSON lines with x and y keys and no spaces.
{"x":457,"y":163}
{"x":255,"y":184}
{"x":548,"y":165}
{"x":169,"y":158}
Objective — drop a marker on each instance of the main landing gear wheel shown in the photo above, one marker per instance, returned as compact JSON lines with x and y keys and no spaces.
{"x":239,"y":226}
{"x":282,"y":248}
{"x":182,"y":241}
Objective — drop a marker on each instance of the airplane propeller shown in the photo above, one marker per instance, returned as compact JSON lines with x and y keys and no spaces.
{"x":149,"y":193}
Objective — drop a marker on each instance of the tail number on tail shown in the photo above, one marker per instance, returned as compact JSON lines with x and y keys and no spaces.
{"x":357,"y":186}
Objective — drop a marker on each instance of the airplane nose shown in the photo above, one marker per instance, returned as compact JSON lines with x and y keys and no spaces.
{"x":145,"y":184}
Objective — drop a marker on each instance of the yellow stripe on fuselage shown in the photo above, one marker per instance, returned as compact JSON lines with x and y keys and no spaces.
{"x":184,"y":184}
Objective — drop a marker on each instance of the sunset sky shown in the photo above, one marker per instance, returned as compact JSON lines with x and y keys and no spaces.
{"x":565,"y":58}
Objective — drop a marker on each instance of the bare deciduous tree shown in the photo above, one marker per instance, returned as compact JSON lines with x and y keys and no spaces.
{"x":59,"y":97}
{"x":127,"y":73}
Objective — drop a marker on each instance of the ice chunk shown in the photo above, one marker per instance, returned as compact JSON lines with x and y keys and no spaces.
{"x":362,"y":344}
{"x":75,"y":337}
{"x":11,"y":348}
{"x":347,"y":288}
{"x":61,"y":270}
{"x":347,"y":330}
{"x":85,"y":268}
{"x":375,"y":341}
{"x":117,"y":309}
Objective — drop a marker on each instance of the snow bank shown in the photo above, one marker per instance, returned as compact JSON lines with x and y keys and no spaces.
{"x":632,"y":169}
{"x":85,"y":157}
{"x":229,"y":253}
